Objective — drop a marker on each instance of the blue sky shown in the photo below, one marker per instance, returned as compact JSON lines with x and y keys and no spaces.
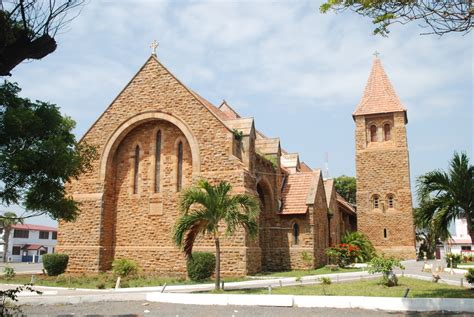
{"x":299,"y":73}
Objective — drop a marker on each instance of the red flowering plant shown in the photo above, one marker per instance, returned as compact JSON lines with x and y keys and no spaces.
{"x":343,"y":254}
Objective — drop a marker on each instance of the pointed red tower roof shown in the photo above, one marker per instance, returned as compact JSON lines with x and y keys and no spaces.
{"x":379,"y":95}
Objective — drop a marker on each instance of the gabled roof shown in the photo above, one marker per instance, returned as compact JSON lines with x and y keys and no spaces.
{"x":228,"y":110}
{"x":305,"y":168}
{"x":290,"y":161}
{"x":221,"y":116}
{"x":295,"y":193}
{"x":268,"y":146}
{"x":346,"y":206}
{"x":379,"y":95}
{"x":328,"y":188}
{"x":34,"y":227}
{"x":244,"y":125}
{"x":33,"y":247}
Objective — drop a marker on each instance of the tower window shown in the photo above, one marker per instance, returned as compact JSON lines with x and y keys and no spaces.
{"x":376,"y":201}
{"x":296,"y":234}
{"x":135,"y":169}
{"x":179,"y":185}
{"x":158,"y":161}
{"x":391,"y":201}
{"x":373,"y":133}
{"x":385,"y":233}
{"x":387,"y":132}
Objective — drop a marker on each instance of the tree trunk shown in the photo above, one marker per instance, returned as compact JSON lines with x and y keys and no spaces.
{"x":218,"y":264}
{"x":470,"y":230}
{"x":6,"y":240}
{"x":24,"y":48}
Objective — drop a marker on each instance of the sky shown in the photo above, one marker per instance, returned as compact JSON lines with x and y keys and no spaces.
{"x":297,"y":72}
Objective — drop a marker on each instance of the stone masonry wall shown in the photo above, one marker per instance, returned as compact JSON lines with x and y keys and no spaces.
{"x":95,"y":238}
{"x":383,"y":170}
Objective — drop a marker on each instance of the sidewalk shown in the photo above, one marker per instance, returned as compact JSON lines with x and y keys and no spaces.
{"x":414,"y":268}
{"x":58,"y":295}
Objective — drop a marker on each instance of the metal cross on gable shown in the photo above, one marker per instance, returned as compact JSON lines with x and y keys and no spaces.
{"x":153,"y":46}
{"x":376,"y":54}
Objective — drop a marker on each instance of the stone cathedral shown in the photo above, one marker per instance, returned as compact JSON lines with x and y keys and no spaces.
{"x":159,"y":137}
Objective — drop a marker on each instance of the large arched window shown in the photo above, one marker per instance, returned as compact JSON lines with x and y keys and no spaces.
{"x":387,"y":132}
{"x":179,"y":184}
{"x":158,"y":161}
{"x":375,"y":201}
{"x":136,"y":167}
{"x":296,"y":234}
{"x":373,"y":133}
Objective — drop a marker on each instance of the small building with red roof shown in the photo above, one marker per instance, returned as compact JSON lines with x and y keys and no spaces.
{"x":29,"y":242}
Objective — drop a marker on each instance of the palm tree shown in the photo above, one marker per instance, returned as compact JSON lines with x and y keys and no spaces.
{"x":447,"y":196}
{"x":205,"y":207}
{"x":6,"y":222}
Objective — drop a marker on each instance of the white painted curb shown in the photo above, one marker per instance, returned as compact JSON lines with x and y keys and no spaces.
{"x":361,"y":302}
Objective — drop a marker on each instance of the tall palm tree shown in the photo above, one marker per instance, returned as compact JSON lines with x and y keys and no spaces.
{"x":205,"y":207}
{"x":446,"y":196}
{"x":7,"y":220}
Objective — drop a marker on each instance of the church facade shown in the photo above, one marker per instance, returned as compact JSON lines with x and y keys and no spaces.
{"x":159,"y":137}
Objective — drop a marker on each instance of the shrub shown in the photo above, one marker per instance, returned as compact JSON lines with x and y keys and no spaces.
{"x":9,"y":272}
{"x":343,"y":254}
{"x":124,"y":267}
{"x":55,"y":263}
{"x":201,"y":266}
{"x":470,"y":276}
{"x":456,"y":259}
{"x":381,"y":264}
{"x":360,"y":240}
{"x":307,"y":259}
{"x":325,"y":280}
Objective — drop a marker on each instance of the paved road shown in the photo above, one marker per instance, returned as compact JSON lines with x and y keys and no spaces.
{"x":32,"y":268}
{"x":174,"y":310}
{"x":415,"y":268}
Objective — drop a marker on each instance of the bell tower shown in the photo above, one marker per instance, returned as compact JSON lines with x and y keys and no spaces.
{"x":384,"y":201}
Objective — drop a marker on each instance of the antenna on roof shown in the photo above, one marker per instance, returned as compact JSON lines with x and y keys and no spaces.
{"x":326,"y":164}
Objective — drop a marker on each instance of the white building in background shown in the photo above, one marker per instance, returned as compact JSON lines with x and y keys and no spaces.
{"x":460,"y":241}
{"x":29,"y":242}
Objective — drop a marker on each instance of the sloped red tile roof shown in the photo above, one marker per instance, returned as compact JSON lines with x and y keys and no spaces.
{"x":32,"y":246}
{"x":221,"y":115}
{"x":345,"y":204}
{"x":379,"y":95}
{"x":305,"y":168}
{"x":34,"y":227}
{"x":295,"y":192}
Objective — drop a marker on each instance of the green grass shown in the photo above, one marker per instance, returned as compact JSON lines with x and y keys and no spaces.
{"x":372,"y":287}
{"x":104,"y":280}
{"x":301,"y":273}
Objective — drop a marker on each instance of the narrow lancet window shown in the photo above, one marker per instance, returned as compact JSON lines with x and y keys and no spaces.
{"x":136,"y":169}
{"x":387,"y":132}
{"x":390,"y":200}
{"x":180,"y":166}
{"x":296,"y":233}
{"x":375,"y":201}
{"x":373,"y":133}
{"x":158,"y":161}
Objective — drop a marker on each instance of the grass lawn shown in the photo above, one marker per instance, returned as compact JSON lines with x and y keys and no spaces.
{"x":301,"y":273}
{"x":371,"y":287}
{"x":103,"y":280}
